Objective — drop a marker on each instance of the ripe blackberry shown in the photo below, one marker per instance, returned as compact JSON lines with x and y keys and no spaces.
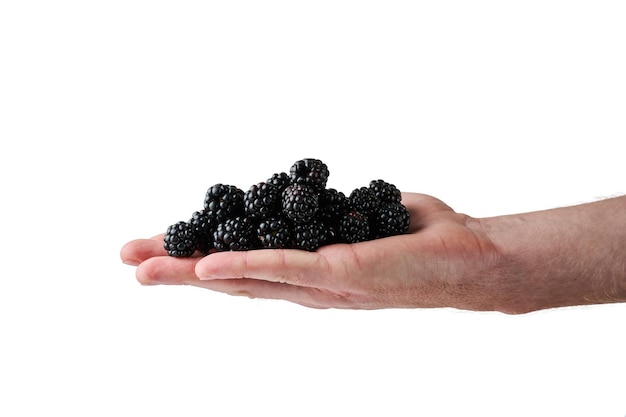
{"x":353,"y":227}
{"x":235,"y":234}
{"x":333,"y":204}
{"x":311,"y":172}
{"x":279,"y":180}
{"x":364,"y":201}
{"x":262,"y":200}
{"x":300,"y":203}
{"x":203,"y":226}
{"x":180,"y":240}
{"x":274,"y":233}
{"x":385,"y":192}
{"x":310,"y":236}
{"x":291,"y":209}
{"x":224,"y":202}
{"x":390,"y":219}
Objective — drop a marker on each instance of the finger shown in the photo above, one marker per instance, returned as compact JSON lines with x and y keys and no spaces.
{"x":167,"y":270}
{"x":292,"y":266}
{"x":138,"y":250}
{"x":421,"y":207}
{"x":251,"y":288}
{"x":426,"y":202}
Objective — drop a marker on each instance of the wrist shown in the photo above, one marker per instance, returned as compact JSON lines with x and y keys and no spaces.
{"x":559,"y":257}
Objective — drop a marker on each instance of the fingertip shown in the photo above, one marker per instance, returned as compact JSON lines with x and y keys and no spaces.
{"x":128,"y":253}
{"x":142,"y":273}
{"x":166,"y":270}
{"x":138,"y":250}
{"x":215,"y":265}
{"x":239,"y":264}
{"x":292,"y":266}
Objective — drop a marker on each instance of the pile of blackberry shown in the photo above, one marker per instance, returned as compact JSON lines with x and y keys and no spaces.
{"x":293,"y":210}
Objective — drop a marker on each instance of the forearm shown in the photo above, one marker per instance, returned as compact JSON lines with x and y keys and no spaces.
{"x":560,"y":257}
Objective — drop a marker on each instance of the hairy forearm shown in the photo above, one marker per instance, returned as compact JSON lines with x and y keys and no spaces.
{"x":560,"y":257}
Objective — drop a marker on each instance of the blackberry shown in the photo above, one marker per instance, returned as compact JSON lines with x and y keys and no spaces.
{"x":180,"y":240}
{"x":311,"y":172}
{"x":274,"y":233}
{"x":310,"y":236}
{"x":203,"y":225}
{"x":235,"y":234}
{"x":364,"y":201}
{"x":262,"y":200}
{"x":385,"y":192}
{"x":353,"y":227}
{"x":333,"y":204}
{"x":390,"y":219}
{"x":223,"y":202}
{"x":279,"y":180}
{"x":292,"y":209}
{"x":300,"y":203}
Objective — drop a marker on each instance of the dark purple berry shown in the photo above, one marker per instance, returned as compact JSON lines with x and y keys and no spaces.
{"x":203,"y":226}
{"x":310,"y":236}
{"x":353,"y":227}
{"x":262,"y":200}
{"x":333,"y":204}
{"x":311,"y":172}
{"x":279,"y":180}
{"x":224,"y":202}
{"x":385,"y":192}
{"x":180,"y":240}
{"x":364,"y":201}
{"x":390,"y":219}
{"x":274,"y":233}
{"x":235,"y":234}
{"x":300,"y":203}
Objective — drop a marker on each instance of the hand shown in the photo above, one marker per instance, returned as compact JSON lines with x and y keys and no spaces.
{"x":439,"y":263}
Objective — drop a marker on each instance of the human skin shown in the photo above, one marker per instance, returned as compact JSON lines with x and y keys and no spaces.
{"x":513,"y":264}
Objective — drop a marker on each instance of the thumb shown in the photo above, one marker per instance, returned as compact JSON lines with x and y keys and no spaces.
{"x":291,"y":266}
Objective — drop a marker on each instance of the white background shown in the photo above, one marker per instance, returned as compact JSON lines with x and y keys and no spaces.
{"x":116,"y":116}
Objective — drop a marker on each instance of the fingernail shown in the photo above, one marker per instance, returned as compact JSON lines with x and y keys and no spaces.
{"x":130,"y":262}
{"x":203,"y":275}
{"x":206,"y":277}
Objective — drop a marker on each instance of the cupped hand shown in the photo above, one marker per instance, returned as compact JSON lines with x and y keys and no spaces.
{"x":442,"y":262}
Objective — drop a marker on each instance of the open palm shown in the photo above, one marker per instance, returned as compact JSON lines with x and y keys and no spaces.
{"x":438,"y":263}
